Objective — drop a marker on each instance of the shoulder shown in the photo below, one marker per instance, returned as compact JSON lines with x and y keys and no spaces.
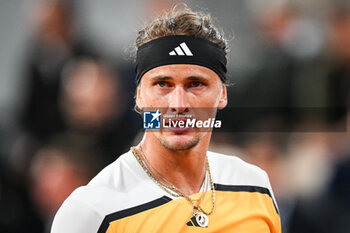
{"x":231,"y":173}
{"x":76,"y":215}
{"x":231,"y":170}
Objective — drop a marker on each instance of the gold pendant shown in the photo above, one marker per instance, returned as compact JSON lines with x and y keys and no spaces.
{"x":201,"y":219}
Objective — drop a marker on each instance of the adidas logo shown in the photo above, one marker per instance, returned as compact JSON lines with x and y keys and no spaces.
{"x":181,"y":50}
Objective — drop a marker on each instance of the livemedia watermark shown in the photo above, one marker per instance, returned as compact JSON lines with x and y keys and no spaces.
{"x":246,"y":119}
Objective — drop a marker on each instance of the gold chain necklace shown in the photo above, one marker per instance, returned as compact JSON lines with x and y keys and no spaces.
{"x":198,"y":212}
{"x":174,"y":191}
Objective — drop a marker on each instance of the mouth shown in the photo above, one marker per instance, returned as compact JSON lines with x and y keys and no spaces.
{"x":176,"y":125}
{"x":179,"y":130}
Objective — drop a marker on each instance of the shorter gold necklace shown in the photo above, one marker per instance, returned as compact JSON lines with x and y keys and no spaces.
{"x":168,"y":185}
{"x":198,"y":212}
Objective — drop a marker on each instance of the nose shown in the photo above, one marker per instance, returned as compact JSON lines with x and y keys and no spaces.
{"x":178,"y":102}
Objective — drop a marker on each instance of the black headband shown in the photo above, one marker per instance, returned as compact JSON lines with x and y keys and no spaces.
{"x":180,"y":49}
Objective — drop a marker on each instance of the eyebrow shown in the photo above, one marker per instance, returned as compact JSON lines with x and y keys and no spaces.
{"x":191,"y":78}
{"x":160,"y":78}
{"x":196,"y":78}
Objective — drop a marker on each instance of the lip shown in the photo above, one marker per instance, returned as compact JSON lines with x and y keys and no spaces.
{"x":177,"y":128}
{"x":174,"y":120}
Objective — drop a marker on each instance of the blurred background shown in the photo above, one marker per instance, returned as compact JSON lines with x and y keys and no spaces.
{"x":67,"y":87}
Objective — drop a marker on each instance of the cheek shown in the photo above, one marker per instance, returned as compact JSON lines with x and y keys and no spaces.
{"x":152,"y":99}
{"x":208,"y":99}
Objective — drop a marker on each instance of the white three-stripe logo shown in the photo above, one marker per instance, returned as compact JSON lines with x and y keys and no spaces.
{"x":181,"y":50}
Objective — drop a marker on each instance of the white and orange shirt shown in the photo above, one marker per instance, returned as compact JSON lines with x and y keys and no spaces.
{"x":123,"y":198}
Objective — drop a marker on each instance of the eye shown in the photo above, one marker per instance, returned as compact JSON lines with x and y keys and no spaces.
{"x":161,"y":84}
{"x":196,"y":84}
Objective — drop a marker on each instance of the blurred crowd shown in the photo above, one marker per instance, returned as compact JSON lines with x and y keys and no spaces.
{"x":77,"y":112}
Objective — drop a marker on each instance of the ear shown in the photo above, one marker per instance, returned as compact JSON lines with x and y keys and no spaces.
{"x":139,"y":101}
{"x":223,"y":98}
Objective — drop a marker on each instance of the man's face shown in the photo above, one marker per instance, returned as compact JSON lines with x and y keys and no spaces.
{"x":181,"y":89}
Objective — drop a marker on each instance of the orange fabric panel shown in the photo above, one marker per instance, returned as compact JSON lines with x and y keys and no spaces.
{"x":234,"y":212}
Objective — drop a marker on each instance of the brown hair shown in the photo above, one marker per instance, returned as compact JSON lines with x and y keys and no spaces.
{"x":181,"y":20}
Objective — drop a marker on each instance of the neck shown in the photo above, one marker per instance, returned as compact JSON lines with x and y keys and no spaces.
{"x":185,"y":169}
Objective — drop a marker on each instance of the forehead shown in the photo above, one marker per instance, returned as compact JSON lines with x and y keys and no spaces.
{"x":181,"y":71}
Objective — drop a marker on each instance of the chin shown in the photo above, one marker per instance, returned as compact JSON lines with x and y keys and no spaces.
{"x":179,"y":141}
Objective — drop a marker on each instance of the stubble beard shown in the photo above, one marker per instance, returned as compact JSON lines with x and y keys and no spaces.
{"x":179,"y":147}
